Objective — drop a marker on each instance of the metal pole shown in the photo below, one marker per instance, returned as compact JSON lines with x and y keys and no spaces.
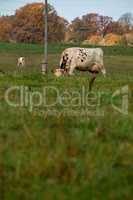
{"x":45,"y":62}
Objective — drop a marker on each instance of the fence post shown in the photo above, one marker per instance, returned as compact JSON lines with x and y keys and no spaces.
{"x":45,"y":61}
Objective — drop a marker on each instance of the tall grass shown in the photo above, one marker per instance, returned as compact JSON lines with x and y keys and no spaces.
{"x":55,"y":156}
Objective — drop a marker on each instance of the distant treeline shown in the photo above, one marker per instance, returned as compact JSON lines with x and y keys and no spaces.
{"x":27,"y":25}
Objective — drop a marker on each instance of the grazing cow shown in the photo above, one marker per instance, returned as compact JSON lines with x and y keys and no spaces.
{"x":21,"y":62}
{"x":83,"y":59}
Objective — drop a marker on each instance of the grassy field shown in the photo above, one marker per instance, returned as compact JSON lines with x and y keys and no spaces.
{"x":67,"y":150}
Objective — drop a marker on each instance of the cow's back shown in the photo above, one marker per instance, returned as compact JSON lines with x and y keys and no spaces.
{"x":81,"y":57}
{"x":86,"y":56}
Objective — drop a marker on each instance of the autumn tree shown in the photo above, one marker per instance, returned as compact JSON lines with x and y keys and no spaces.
{"x":116,"y":28}
{"x":81,"y":28}
{"x":126,"y":20}
{"x":88,"y":25}
{"x":73,"y":33}
{"x":104,"y":24}
{"x":29,"y":24}
{"x":5,"y":28}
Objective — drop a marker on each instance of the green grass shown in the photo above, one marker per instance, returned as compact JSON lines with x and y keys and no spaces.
{"x":58,"y":48}
{"x":64,"y":152}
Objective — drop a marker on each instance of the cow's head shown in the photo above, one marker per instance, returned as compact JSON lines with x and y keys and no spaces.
{"x":58,"y":72}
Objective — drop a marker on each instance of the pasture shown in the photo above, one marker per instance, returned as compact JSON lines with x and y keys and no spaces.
{"x":66,"y":151}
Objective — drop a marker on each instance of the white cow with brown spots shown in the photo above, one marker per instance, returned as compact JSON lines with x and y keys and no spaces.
{"x":83,"y":59}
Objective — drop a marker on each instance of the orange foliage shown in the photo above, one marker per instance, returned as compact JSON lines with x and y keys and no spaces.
{"x":5,"y":28}
{"x":94,"y":39}
{"x":27,"y":25}
{"x":111,"y":40}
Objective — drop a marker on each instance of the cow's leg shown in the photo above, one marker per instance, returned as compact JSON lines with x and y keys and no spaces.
{"x":92,"y":81}
{"x":23,"y":64}
{"x":20,"y":68}
{"x":71,"y":69}
{"x":70,"y":72}
{"x":18,"y":64}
